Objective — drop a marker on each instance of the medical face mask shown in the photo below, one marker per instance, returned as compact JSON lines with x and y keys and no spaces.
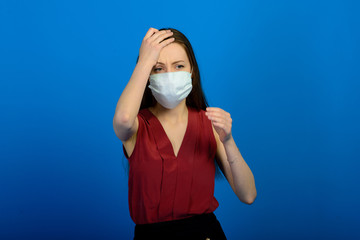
{"x":170,"y":88}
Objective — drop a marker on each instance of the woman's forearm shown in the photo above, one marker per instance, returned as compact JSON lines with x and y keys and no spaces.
{"x":129,"y":102}
{"x":243,"y":179}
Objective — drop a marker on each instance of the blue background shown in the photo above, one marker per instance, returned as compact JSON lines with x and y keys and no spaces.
{"x":287,"y":71}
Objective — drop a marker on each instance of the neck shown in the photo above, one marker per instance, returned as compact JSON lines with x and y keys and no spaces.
{"x":173,"y":115}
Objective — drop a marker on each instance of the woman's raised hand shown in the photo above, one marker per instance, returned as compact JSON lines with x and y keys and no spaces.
{"x":221,"y":121}
{"x":152,"y":44}
{"x":125,"y":119}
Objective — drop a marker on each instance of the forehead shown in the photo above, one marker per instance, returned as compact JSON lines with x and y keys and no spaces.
{"x":173,"y":52}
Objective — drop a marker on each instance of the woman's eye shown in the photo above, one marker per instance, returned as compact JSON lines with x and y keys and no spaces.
{"x":157,"y":69}
{"x":180,"y":66}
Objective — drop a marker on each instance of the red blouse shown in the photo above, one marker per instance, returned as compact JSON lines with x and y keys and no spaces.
{"x":164,"y":187}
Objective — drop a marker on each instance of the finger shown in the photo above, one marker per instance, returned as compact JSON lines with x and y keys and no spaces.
{"x":153,"y":37}
{"x":218,"y":120}
{"x":150,"y":32}
{"x":215,"y":109}
{"x":216,"y":114}
{"x":219,"y":125}
{"x":166,"y":42}
{"x":161,"y":37}
{"x":224,"y":115}
{"x":227,"y":122}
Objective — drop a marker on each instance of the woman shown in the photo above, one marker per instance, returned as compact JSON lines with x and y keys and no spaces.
{"x":171,"y":139}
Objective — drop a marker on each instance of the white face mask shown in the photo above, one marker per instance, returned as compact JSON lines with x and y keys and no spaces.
{"x":170,"y":88}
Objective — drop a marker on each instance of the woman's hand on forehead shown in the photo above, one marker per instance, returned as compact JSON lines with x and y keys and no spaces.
{"x":152,"y":44}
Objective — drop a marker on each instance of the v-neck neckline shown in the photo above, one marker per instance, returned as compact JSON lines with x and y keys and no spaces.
{"x":163,"y":132}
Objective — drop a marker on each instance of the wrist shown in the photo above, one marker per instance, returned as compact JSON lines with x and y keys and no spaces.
{"x":228,"y":139}
{"x":145,"y":65}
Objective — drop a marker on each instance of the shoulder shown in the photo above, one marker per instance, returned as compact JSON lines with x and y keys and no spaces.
{"x":205,"y":130}
{"x":200,"y":115}
{"x":145,"y":116}
{"x":195,"y":111}
{"x":143,"y":113}
{"x":205,"y":124}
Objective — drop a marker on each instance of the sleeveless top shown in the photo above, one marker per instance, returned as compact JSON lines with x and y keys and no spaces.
{"x":164,"y":187}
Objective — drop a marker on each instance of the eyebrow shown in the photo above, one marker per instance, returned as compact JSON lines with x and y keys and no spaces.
{"x":172,"y":63}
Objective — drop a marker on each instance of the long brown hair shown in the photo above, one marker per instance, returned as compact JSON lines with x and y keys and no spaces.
{"x":196,"y":98}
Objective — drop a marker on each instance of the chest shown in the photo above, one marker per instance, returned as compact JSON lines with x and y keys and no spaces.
{"x":175,"y":133}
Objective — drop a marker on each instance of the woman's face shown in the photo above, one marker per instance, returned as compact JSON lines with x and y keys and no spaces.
{"x":172,"y":58}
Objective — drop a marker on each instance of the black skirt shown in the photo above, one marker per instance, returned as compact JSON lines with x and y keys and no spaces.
{"x":200,"y":227}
